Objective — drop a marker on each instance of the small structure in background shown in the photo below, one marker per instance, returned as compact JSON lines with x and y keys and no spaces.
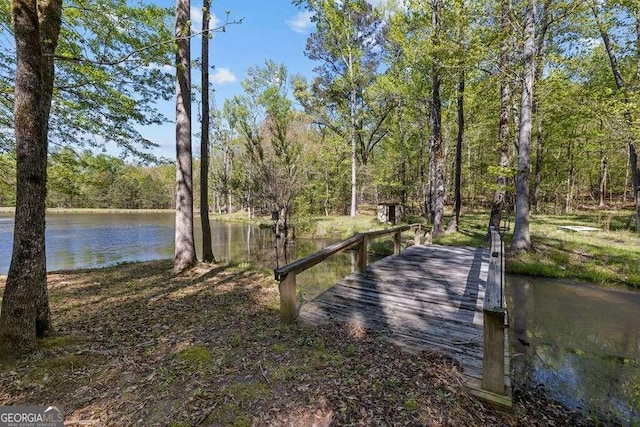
{"x":390,"y":213}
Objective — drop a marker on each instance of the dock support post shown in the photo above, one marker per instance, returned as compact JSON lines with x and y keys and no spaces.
{"x":288,"y":299}
{"x":493,"y":318}
{"x":361,"y":261}
{"x":396,"y":243}
{"x":493,"y":353}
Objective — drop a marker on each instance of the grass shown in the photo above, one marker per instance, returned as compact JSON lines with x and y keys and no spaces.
{"x":136,"y":344}
{"x":610,"y":257}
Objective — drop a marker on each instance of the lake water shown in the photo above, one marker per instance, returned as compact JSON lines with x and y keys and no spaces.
{"x":88,"y":240}
{"x":581,"y":342}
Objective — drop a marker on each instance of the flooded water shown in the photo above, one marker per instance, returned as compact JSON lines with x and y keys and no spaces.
{"x":581,"y":342}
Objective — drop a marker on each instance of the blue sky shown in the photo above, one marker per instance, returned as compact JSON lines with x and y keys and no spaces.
{"x":272,"y":29}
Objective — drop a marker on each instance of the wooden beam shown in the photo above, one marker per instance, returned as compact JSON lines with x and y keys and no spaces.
{"x":286,"y":275}
{"x":397,"y":240}
{"x":493,"y":320}
{"x":361,"y":260}
{"x":288,"y":298}
{"x":493,"y":352}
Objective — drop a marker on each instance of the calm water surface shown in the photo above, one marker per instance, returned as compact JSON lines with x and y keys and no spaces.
{"x":86,"y":240}
{"x":581,"y":342}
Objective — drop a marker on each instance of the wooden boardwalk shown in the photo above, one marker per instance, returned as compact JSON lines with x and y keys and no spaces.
{"x":428,"y":297}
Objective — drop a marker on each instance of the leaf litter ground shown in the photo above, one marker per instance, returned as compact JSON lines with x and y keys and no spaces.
{"x":136,"y":344}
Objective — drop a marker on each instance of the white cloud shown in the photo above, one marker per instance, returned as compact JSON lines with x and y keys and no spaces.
{"x":590,"y":43}
{"x":301,"y":22}
{"x":162,"y":67}
{"x":222,"y":76}
{"x":196,"y":20}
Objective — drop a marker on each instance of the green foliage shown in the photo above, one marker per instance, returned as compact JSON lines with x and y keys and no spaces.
{"x":100,"y":181}
{"x":7,"y":180}
{"x":111,"y":67}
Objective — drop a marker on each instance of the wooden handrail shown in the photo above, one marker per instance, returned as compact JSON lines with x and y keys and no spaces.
{"x":494,"y":294}
{"x":309,"y":261}
{"x":494,"y":313}
{"x":286,"y":275}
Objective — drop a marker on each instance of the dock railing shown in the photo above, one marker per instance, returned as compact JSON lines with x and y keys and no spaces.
{"x":494,"y":313}
{"x":286,"y":275}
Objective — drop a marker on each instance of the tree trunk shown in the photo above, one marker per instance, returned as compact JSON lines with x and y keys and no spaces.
{"x":185,"y":252}
{"x":521,"y":236}
{"x":353,"y":136}
{"x":207,"y":250}
{"x":570,"y":179}
{"x":436,"y":138}
{"x":457,"y":201}
{"x":25,"y":310}
{"x":602,"y":187}
{"x":503,"y":131}
{"x":540,"y":140}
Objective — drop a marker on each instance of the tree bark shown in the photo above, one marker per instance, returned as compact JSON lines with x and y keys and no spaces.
{"x":521,"y":235}
{"x":457,"y":200}
{"x":503,"y":131}
{"x":185,"y":253}
{"x":436,"y":138}
{"x":545,"y":22}
{"x":602,"y":187}
{"x":25,"y":310}
{"x":207,"y":250}
{"x":353,"y":136}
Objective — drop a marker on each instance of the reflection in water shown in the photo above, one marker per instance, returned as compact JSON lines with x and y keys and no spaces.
{"x":581,"y":342}
{"x":97,"y":240}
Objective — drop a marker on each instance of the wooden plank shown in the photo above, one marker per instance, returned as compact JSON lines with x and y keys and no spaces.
{"x":425,"y":298}
{"x":414,"y":288}
{"x":454,"y":313}
{"x":413,"y":321}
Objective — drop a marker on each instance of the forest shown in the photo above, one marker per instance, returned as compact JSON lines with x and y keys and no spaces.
{"x":461,"y":111}
{"x":419,"y":104}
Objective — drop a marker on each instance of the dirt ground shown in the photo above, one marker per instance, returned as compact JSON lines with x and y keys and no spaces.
{"x":137,"y":345}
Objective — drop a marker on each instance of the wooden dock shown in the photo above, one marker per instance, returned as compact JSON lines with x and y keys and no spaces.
{"x":428,"y":297}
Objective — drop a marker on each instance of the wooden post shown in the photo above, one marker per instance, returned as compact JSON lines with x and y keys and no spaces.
{"x":416,"y":239}
{"x":361,"y":261}
{"x":397,"y":239}
{"x":288,"y":298}
{"x":493,"y":353}
{"x":493,"y":318}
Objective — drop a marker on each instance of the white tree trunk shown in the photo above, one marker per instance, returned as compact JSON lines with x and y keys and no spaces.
{"x":185,"y":250}
{"x":521,"y":236}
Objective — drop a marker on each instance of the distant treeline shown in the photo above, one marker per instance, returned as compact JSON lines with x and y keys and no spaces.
{"x":87,"y":180}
